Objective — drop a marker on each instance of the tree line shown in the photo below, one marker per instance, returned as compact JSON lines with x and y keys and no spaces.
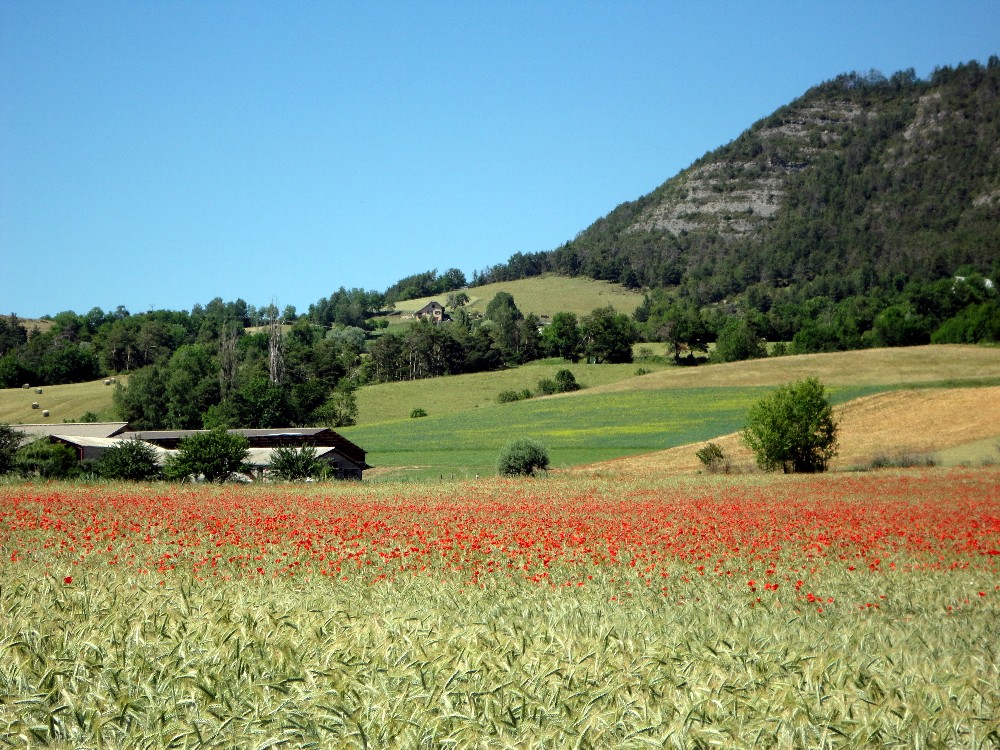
{"x":212,"y":367}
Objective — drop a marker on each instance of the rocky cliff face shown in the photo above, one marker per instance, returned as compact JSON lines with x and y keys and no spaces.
{"x":863,"y":176}
{"x":734,"y":197}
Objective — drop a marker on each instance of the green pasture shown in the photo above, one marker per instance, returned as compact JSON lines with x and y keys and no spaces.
{"x":576,"y":429}
{"x":438,"y":396}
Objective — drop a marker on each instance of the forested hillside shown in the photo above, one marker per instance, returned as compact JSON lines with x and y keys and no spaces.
{"x":864,"y":183}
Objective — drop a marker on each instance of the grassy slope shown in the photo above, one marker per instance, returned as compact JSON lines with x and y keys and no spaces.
{"x":953,"y":426}
{"x":664,"y":409}
{"x":918,"y":365}
{"x":545,"y":295}
{"x":439,"y":396}
{"x":576,"y":429}
{"x":66,"y":403}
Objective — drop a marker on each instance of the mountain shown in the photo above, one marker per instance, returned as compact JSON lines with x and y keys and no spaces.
{"x":863,"y":181}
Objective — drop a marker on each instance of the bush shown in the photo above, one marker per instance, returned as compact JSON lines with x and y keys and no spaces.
{"x":130,"y":460}
{"x":522,"y":457}
{"x":417,"y":413}
{"x":566,"y":382}
{"x":547,"y":386}
{"x":46,"y":459}
{"x":793,"y":429}
{"x":215,"y":454}
{"x":295,"y":464}
{"x":714,"y":459}
{"x":900,"y":460}
{"x":738,"y":341}
{"x":506,"y":397}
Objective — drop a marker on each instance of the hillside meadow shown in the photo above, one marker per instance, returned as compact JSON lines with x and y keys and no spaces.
{"x":544,"y":296}
{"x":575,"y":428}
{"x":66,"y":403}
{"x":667,"y":408}
{"x":945,"y":426}
{"x":458,"y":393}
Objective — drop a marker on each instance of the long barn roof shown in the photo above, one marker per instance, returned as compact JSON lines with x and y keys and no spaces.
{"x":319,"y":437}
{"x":78,"y":429}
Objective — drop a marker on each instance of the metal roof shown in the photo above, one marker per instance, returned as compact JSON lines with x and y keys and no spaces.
{"x":77,"y":429}
{"x":103,"y":442}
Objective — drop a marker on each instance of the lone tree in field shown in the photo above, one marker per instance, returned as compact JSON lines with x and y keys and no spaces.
{"x":216,"y":454}
{"x":522,"y":458}
{"x":793,"y":429}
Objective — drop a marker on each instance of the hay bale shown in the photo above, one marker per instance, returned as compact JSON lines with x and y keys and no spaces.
{"x":26,"y":385}
{"x":34,"y":405}
{"x":107,"y":382}
{"x":45,"y":413}
{"x":38,"y":390}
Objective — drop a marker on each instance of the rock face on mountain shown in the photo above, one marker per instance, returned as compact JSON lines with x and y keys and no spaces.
{"x":862,"y":181}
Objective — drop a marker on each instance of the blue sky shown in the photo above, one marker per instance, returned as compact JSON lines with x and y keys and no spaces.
{"x":159,"y":154}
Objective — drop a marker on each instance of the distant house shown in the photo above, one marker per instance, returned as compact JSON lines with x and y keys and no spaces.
{"x":433,"y":311}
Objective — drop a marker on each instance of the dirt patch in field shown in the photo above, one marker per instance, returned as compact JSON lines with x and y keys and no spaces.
{"x":901,"y":423}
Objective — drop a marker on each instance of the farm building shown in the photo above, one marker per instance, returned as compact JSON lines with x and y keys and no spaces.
{"x":90,"y":440}
{"x":432,"y":311}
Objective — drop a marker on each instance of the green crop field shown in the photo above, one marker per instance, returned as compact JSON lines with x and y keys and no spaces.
{"x":438,"y":396}
{"x":576,"y":428}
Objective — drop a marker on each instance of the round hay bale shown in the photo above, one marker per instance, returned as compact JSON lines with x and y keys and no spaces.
{"x":34,"y":405}
{"x":107,"y":382}
{"x":38,"y":390}
{"x":45,"y":412}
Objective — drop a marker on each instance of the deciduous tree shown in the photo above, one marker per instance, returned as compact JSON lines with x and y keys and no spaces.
{"x":793,"y":429}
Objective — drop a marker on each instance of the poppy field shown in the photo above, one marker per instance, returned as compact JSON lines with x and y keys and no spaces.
{"x":845,"y":610}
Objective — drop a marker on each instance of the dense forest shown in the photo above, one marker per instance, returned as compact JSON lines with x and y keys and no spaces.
{"x":865,"y":213}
